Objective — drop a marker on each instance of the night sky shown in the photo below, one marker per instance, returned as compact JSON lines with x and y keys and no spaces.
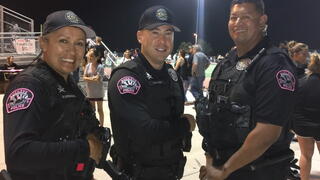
{"x":116,"y":21}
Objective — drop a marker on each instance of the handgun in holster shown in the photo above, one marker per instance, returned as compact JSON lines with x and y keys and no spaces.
{"x":104,"y":135}
{"x":202,"y":115}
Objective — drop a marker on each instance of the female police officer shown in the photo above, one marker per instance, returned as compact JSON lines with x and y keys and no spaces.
{"x":251,"y":98}
{"x":44,"y":133}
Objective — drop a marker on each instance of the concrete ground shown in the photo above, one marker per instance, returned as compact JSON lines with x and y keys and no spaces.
{"x":195,"y":157}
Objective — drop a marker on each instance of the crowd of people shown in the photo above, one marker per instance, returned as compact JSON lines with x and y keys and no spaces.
{"x":258,"y":96}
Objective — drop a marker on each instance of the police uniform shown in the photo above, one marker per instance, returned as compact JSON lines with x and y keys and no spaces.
{"x":145,"y":109}
{"x":44,"y":133}
{"x":257,"y":87}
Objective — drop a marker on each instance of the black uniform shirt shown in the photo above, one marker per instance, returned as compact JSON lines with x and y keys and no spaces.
{"x":135,"y":123}
{"x":36,"y":133}
{"x":272,"y":83}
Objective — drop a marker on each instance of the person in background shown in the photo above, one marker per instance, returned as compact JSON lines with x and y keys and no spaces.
{"x":93,"y":76}
{"x":181,"y":67}
{"x":100,"y":48}
{"x":136,"y":52}
{"x":200,"y":63}
{"x":307,"y":122}
{"x":299,"y":53}
{"x":8,"y":76}
{"x":10,"y":64}
{"x":126,"y":56}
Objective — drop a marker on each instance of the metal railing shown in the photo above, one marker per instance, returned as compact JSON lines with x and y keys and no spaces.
{"x":109,"y":55}
{"x":11,"y":21}
{"x":17,"y":36}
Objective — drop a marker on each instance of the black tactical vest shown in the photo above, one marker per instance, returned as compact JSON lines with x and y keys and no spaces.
{"x":65,"y":106}
{"x":230,"y":103}
{"x":165,"y":100}
{"x":229,"y":106}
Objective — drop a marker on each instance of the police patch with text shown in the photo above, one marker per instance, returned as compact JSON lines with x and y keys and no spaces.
{"x":128,"y":85}
{"x":286,"y":80}
{"x":19,"y":99}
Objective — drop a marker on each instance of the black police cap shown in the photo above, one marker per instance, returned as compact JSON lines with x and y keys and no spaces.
{"x":157,"y":16}
{"x":64,"y":18}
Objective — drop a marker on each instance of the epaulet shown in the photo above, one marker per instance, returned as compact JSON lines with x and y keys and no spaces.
{"x":276,"y":50}
{"x":39,"y":73}
{"x":280,"y":52}
{"x":133,"y":66}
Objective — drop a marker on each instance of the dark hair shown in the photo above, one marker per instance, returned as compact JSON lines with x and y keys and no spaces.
{"x":259,"y":4}
{"x":97,"y":54}
{"x":183,"y":53}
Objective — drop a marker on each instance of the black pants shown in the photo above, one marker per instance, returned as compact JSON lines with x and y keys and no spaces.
{"x":277,"y":171}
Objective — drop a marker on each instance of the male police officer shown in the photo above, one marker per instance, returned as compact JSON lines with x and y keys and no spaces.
{"x":146,"y":104}
{"x":251,"y":99}
{"x":45,"y":133}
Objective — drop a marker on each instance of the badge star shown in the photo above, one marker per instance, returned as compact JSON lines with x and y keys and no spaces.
{"x":148,"y":76}
{"x":60,"y":89}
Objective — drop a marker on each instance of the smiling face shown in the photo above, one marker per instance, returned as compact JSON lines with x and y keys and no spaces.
{"x":63,"y":49}
{"x":246,"y":24}
{"x":156,"y":44}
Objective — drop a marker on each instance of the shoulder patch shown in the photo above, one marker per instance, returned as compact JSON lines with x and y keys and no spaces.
{"x":128,"y":85}
{"x":286,"y":80}
{"x":19,"y":99}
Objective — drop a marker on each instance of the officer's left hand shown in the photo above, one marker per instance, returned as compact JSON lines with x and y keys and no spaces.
{"x":214,"y":173}
{"x":95,"y":146}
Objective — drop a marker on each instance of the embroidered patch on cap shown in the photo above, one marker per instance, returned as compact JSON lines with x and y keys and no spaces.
{"x":162,"y":14}
{"x":19,"y":99}
{"x":128,"y":85}
{"x":70,"y":16}
{"x":286,"y":80}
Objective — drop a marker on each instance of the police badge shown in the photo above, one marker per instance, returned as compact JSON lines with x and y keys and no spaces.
{"x":242,"y":64}
{"x":162,"y":14}
{"x":70,"y":16}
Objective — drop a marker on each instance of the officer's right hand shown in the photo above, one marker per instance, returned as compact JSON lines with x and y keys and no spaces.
{"x":95,"y":146}
{"x":191,"y":120}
